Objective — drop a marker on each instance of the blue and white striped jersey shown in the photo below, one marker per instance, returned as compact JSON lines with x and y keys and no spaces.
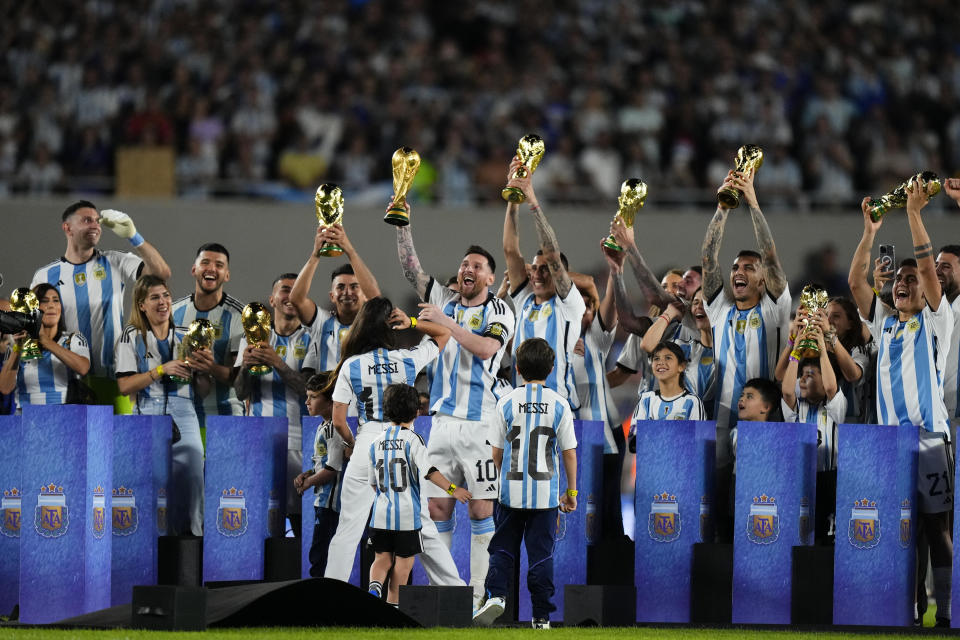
{"x":699,"y":376}
{"x":45,"y":380}
{"x":134,"y":355}
{"x":910,"y":358}
{"x":826,"y":415}
{"x":328,"y":334}
{"x":366,"y":376}
{"x":951,"y":381}
{"x":463,"y":384}
{"x":635,"y":360}
{"x":533,"y":424}
{"x":328,"y":454}
{"x":398,"y":459}
{"x":225,"y":318}
{"x":589,"y":375}
{"x":653,"y":406}
{"x":92,"y":297}
{"x":746,"y":345}
{"x":270,"y":397}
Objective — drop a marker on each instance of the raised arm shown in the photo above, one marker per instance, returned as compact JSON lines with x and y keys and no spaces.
{"x":516,"y":265}
{"x":629,"y":321}
{"x":649,"y":285}
{"x":860,"y":265}
{"x":710,"y":252}
{"x":653,"y":336}
{"x":409,"y":261}
{"x":368,"y":284}
{"x":774,"y":277}
{"x":917,"y":199}
{"x":400,"y":320}
{"x":608,"y":306}
{"x":300,"y":292}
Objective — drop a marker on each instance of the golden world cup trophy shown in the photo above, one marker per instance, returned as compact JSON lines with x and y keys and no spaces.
{"x":530,"y":151}
{"x":257,"y":323}
{"x":811,"y":300}
{"x":406,"y":163}
{"x":25,"y":301}
{"x":632,"y":194}
{"x":897,"y":199}
{"x":749,"y":156}
{"x":200,"y":335}
{"x":329,"y":203}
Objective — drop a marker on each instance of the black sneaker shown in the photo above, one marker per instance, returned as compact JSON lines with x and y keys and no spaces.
{"x":540,"y":623}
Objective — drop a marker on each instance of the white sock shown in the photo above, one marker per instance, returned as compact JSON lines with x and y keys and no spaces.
{"x":375,"y":588}
{"x":445,"y":530}
{"x":942,"y":580}
{"x":481,"y":533}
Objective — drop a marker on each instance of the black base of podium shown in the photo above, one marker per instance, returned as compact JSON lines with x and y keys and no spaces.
{"x":281,"y":559}
{"x":812,"y":584}
{"x":599,"y":605}
{"x":711,"y":584}
{"x":180,"y":561}
{"x":169,"y":608}
{"x":611,"y":562}
{"x":438,"y":606}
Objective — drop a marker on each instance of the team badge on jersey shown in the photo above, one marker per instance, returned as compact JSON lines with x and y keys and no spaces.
{"x":80,"y":279}
{"x":864,"y":528}
{"x":805,"y":526}
{"x":342,"y":334}
{"x":274,"y":516}
{"x":763,"y":523}
{"x":51,"y":517}
{"x":126,"y":519}
{"x":282,"y":350}
{"x":706,"y":360}
{"x":755,"y":321}
{"x":663,"y":523}
{"x":476,"y":321}
{"x":217,"y":330}
{"x":10,"y":513}
{"x":99,"y":273}
{"x":706,"y":522}
{"x":99,"y":513}
{"x":232,"y":513}
{"x":913,"y":325}
{"x":906,"y":533}
{"x":540,"y":314}
{"x":162,"y":512}
{"x":300,"y":350}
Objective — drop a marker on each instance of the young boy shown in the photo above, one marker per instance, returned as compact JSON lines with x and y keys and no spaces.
{"x":325,"y":475}
{"x":819,"y":403}
{"x":398,"y":459}
{"x":530,"y":428}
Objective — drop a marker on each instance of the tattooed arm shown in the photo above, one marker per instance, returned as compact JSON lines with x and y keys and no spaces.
{"x":917,"y":199}
{"x":774,"y":277}
{"x":629,"y":321}
{"x":551,"y":250}
{"x":712,"y":280}
{"x":410,"y":263}
{"x":649,"y":285}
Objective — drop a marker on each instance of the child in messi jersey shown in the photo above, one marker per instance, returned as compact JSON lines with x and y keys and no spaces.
{"x":398,"y":459}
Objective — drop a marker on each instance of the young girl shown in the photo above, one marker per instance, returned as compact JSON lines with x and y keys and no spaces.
{"x":671,"y":401}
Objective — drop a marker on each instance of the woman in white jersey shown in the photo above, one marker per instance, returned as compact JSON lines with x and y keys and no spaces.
{"x":369,"y":363}
{"x":148,"y":369}
{"x":65,"y":356}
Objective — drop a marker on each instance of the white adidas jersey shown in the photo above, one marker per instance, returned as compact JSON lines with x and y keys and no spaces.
{"x":398,"y":461}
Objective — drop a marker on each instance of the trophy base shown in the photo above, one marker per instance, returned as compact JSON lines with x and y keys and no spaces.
{"x":179,"y":380}
{"x":730,"y":198}
{"x":513,"y":194}
{"x":610,"y":243}
{"x":260,"y":370}
{"x":397,"y":217}
{"x":877,"y":212}
{"x":330,"y":251}
{"x":30,"y":354}
{"x":808,"y":349}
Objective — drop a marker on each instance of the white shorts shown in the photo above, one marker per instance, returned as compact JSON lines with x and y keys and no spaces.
{"x":934,"y":473}
{"x":459,"y":449}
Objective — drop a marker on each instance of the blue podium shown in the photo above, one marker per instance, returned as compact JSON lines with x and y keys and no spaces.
{"x":875,"y":556}
{"x":776,"y":487}
{"x":65,"y":541}
{"x":674,"y":488}
{"x":10,"y":513}
{"x":244,"y":480}
{"x":141,"y":469}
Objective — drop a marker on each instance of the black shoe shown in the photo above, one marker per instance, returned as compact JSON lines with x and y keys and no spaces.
{"x":942,"y":623}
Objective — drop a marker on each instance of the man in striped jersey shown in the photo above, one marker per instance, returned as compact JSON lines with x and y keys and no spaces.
{"x":914,"y":340}
{"x":210,"y":270}
{"x":948,"y":274}
{"x":281,"y":392}
{"x":532,"y":431}
{"x":462,"y":394}
{"x":91,"y":284}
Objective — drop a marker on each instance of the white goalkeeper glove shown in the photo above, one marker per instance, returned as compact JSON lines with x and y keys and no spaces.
{"x":122,"y":225}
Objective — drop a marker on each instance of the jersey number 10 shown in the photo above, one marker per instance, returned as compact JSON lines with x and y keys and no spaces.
{"x":395,"y":472}
{"x":544,"y":435}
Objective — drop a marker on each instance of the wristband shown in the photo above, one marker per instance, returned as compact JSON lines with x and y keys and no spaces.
{"x":16,"y":348}
{"x":875,"y":292}
{"x":572,"y":493}
{"x":791,"y":338}
{"x":413,"y":322}
{"x":350,"y":445}
{"x":795,"y":355}
{"x":137,"y":240}
{"x":451,"y":488}
{"x":159,"y":370}
{"x":665,"y":318}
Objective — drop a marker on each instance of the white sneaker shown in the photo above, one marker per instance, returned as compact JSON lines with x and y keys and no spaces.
{"x":540,"y":623}
{"x":489,"y":612}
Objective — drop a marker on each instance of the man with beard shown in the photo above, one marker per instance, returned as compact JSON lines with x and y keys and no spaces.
{"x":948,"y":273}
{"x":462,"y":392}
{"x":210,"y":270}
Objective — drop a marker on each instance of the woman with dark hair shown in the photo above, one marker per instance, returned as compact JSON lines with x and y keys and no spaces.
{"x":148,"y":368}
{"x":369,"y":363}
{"x":64,"y":356}
{"x":850,"y":355}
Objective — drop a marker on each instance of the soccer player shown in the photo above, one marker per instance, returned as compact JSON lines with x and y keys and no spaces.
{"x":463,"y":392}
{"x":210,"y":270}
{"x":532,"y":431}
{"x":911,"y":358}
{"x":281,"y":392}
{"x":91,"y":284}
{"x":370,"y":362}
{"x":547,"y":303}
{"x":398,"y":459}
{"x":350,"y":286}
{"x":948,"y":273}
{"x":326,"y":475}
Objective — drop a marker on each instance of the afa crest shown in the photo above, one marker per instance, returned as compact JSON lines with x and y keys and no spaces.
{"x":755,"y":321}
{"x":80,"y":279}
{"x":300,"y":350}
{"x":100,"y":273}
{"x":906,"y":532}
{"x":913,"y":325}
{"x":706,"y":521}
{"x":763,"y":522}
{"x":51,"y":517}
{"x":232,"y":513}
{"x":10,"y":513}
{"x":99,"y":513}
{"x":476,"y":320}
{"x":805,"y":525}
{"x":864,"y":528}
{"x":162,"y":512}
{"x":282,"y":350}
{"x":126,"y":518}
{"x":663,"y":522}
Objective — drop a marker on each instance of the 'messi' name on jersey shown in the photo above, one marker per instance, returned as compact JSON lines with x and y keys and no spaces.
{"x":382,"y":368}
{"x":533,"y":407}
{"x":390,"y":445}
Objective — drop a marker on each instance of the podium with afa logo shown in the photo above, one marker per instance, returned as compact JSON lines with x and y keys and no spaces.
{"x":10,"y":513}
